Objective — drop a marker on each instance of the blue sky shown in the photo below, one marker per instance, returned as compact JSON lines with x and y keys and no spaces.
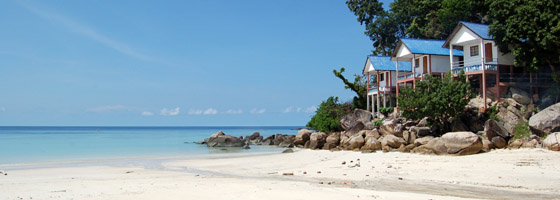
{"x":174,"y":63}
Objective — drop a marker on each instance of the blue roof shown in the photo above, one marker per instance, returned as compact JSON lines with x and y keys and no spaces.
{"x":480,"y":29}
{"x":429,"y":47}
{"x":384,"y":63}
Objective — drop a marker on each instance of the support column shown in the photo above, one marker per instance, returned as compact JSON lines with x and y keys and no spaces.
{"x":450,"y":57}
{"x":367,"y":100}
{"x":498,"y":83}
{"x":413,"y":71}
{"x":384,"y":100}
{"x":378,"y":105}
{"x":397,"y":94}
{"x":483,"y":56}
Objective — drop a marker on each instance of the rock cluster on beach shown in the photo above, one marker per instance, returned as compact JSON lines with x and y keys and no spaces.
{"x":471,"y":134}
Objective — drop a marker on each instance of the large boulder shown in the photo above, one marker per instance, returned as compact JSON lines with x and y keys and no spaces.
{"x":552,"y":142}
{"x":511,"y":113}
{"x":421,"y":131}
{"x":357,"y":127}
{"x":498,"y":142}
{"x":520,"y":96}
{"x":371,"y":144}
{"x":388,"y":127}
{"x":353,"y":142}
{"x":332,"y":141}
{"x":220,"y":139}
{"x":254,"y":139}
{"x":423,"y":140}
{"x":492,"y":128}
{"x":317,"y":140}
{"x":546,"y":121}
{"x":392,"y":141}
{"x":279,"y":138}
{"x":359,"y":115}
{"x":436,"y":145}
{"x":462,"y":143}
{"x":409,"y":137}
{"x":302,"y":137}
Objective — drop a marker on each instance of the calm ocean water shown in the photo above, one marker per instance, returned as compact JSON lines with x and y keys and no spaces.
{"x":53,"y":144}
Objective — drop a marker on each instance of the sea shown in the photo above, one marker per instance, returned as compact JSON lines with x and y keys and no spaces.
{"x":27,"y":145}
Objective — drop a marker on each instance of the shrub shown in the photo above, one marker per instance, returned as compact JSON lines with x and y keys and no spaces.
{"x":521,"y":130}
{"x":377,"y":122}
{"x":440,"y":100}
{"x":492,"y":113}
{"x":328,"y":115}
{"x":386,"y":111}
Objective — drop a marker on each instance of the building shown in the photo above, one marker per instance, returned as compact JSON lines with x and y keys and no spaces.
{"x":381,"y":81}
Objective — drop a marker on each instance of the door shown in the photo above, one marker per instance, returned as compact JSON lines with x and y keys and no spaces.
{"x":488,"y":52}
{"x":425,"y":64}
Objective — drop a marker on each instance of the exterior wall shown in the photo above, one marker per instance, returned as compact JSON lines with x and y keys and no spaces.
{"x":393,"y":78}
{"x":440,"y":63}
{"x":468,"y":58}
{"x":506,"y":59}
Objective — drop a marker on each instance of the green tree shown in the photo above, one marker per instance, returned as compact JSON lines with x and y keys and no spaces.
{"x":328,"y":115}
{"x":428,"y":19}
{"x":529,"y":29}
{"x":359,"y":86}
{"x":442,"y":101}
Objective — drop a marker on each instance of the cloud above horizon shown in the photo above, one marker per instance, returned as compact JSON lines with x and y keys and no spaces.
{"x":210,"y":111}
{"x":293,"y":109}
{"x":147,"y":113}
{"x":108,"y":108}
{"x":170,"y":112}
{"x":257,"y":111}
{"x":233,"y":112}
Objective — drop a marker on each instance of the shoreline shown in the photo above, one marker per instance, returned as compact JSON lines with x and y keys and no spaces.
{"x":499,"y":174}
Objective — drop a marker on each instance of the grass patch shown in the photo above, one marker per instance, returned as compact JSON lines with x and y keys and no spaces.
{"x":521,"y":130}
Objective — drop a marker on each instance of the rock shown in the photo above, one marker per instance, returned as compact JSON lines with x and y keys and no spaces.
{"x":254,"y":136}
{"x":371,"y":144}
{"x":333,"y":140}
{"x":279,"y":138}
{"x":499,"y":142}
{"x":388,"y":126}
{"x":409,"y":124}
{"x":510,"y":113}
{"x":357,"y":127}
{"x":423,"y":140}
{"x":492,"y":129}
{"x":201,"y":142}
{"x":422,"y":150}
{"x":302,"y":137}
{"x":546,"y":121}
{"x":220,"y":139}
{"x":477,"y":102}
{"x":472,"y":119}
{"x":552,"y":142}
{"x":286,"y":144}
{"x":462,"y":143}
{"x":409,"y":137}
{"x":353,"y":142}
{"x":530,"y":144}
{"x":255,"y":139}
{"x":421,"y":131}
{"x":399,"y":130}
{"x":317,"y":140}
{"x":516,"y":144}
{"x":372,"y":133}
{"x":268,"y":140}
{"x":392,"y":141}
{"x":423,"y":122}
{"x":288,"y":151}
{"x":359,"y":115}
{"x":246,"y":146}
{"x":436,"y":145}
{"x":288,"y":174}
{"x":406,"y":148}
{"x":487,"y":145}
{"x":520,"y":96}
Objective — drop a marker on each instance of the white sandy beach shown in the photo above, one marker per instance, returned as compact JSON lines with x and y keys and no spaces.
{"x":500,"y":174}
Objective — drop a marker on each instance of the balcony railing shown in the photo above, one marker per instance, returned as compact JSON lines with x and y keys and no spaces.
{"x":382,"y":89}
{"x":407,"y":76}
{"x":473,"y":68}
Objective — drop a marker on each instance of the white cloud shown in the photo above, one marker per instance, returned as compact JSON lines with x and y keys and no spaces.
{"x":170,"y":112}
{"x":234,"y":112}
{"x":147,"y":113}
{"x":310,"y":109}
{"x":257,"y":111}
{"x":195,"y":112}
{"x":210,"y":111}
{"x":108,"y":108}
{"x":84,"y":30}
{"x":288,"y":110}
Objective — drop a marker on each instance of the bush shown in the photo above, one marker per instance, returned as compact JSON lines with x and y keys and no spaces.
{"x":442,"y":101}
{"x":386,"y":111}
{"x":328,"y":115}
{"x":492,"y":113}
{"x":521,"y":130}
{"x":377,"y":122}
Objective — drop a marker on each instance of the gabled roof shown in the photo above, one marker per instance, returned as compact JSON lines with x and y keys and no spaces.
{"x":384,"y":63}
{"x":425,"y":46}
{"x":481,"y":30}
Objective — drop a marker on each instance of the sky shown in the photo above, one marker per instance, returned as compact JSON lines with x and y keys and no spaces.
{"x":174,"y":63}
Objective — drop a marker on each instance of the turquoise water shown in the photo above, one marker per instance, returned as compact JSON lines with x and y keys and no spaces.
{"x":53,"y":144}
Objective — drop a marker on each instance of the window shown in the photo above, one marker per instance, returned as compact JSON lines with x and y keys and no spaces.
{"x":381,"y":77}
{"x":474,"y":50}
{"x":417,"y":63}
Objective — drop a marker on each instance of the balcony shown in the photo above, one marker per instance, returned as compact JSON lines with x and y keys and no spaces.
{"x":407,"y":76}
{"x":381,"y":89}
{"x":489,"y":65}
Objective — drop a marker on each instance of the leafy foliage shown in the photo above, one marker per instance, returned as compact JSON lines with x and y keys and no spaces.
{"x":386,"y":110}
{"x":528,"y":29}
{"x":521,"y":130}
{"x":442,"y":101}
{"x":492,"y":113}
{"x":429,"y":19}
{"x":328,"y":115}
{"x":359,"y":86}
{"x":377,"y":122}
